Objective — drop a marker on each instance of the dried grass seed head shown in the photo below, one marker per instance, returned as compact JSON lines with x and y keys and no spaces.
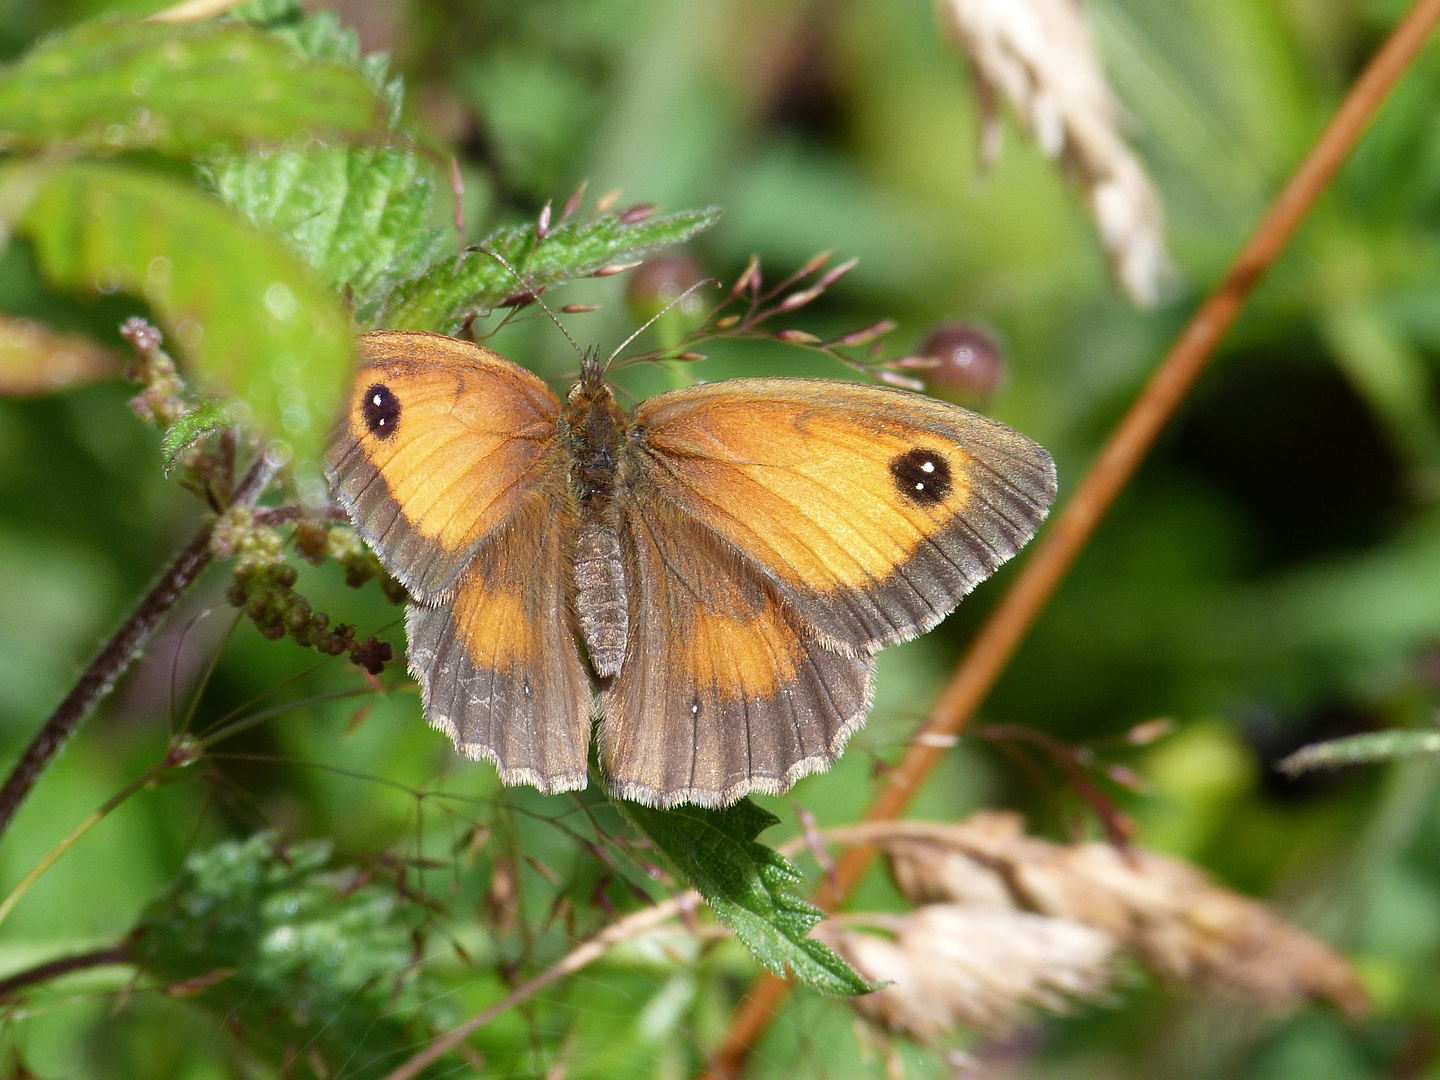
{"x":986,"y":968}
{"x":1039,"y":56}
{"x":1182,"y":925}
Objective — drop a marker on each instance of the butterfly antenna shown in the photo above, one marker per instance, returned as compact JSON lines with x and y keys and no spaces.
{"x":532,"y":291}
{"x":654,"y":318}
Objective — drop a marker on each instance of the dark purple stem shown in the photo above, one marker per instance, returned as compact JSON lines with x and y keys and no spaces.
{"x":99,"y":678}
{"x":52,"y":969}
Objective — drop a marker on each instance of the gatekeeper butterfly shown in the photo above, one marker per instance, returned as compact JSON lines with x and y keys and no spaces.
{"x":728,"y":556}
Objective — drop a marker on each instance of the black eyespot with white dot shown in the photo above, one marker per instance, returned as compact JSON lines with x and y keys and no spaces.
{"x":381,"y":410}
{"x":922,"y":476}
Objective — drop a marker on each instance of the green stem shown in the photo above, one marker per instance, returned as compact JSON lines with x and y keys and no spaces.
{"x":8,"y":904}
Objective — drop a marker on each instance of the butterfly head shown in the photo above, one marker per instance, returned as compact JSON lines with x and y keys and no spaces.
{"x":592,"y":371}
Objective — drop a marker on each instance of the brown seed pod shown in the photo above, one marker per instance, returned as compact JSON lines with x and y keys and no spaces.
{"x":967,"y":360}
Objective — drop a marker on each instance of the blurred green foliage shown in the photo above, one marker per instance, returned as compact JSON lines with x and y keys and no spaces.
{"x":1268,"y":580}
{"x":306,"y":959}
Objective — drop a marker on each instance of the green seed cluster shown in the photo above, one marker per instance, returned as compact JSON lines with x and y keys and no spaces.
{"x":316,"y":542}
{"x":264,"y":585}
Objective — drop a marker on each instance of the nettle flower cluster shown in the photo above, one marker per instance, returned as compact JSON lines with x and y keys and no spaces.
{"x":200,"y":448}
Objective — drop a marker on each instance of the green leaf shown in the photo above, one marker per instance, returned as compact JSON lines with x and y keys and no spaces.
{"x":1361,"y":749}
{"x":747,"y":885}
{"x":244,"y":315}
{"x":191,"y":428}
{"x":323,"y":37}
{"x":269,"y":13}
{"x":362,"y":217}
{"x":186,"y":89}
{"x":295,"y":954}
{"x":453,"y":289}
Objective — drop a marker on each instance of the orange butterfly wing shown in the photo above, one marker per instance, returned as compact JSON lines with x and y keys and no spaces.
{"x":776,"y":533}
{"x":439,"y":445}
{"x":448,"y":463}
{"x":873,"y":511}
{"x":720,"y":692}
{"x":498,"y":667}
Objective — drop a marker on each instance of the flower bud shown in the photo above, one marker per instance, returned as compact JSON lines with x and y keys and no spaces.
{"x":968,"y":362}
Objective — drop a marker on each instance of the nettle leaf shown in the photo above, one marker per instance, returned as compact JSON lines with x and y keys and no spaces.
{"x":362,"y":217}
{"x":191,"y":428}
{"x":296,"y":955}
{"x":748,"y":887}
{"x":246,"y":317}
{"x":454,"y":289}
{"x":183,"y":89}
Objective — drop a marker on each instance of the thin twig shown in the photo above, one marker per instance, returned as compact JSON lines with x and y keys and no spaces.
{"x":120,"y":651}
{"x":1126,"y":448}
{"x":53,"y":969}
{"x":632,"y":926}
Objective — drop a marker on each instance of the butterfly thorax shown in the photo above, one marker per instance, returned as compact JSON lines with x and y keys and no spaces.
{"x":593,"y":429}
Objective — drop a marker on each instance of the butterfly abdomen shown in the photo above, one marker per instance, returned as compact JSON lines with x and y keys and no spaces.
{"x":593,"y":429}
{"x":601,"y":599}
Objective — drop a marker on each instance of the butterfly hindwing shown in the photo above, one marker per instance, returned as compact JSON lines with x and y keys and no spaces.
{"x":873,"y":511}
{"x":720,"y":692}
{"x":497,"y":663}
{"x":441,"y":442}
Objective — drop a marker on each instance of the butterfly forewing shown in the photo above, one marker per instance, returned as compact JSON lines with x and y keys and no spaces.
{"x":441,"y":441}
{"x":872,"y":511}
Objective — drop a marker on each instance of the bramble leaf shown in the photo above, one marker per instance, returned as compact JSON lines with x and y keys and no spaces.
{"x":244,"y":315}
{"x":747,"y":886}
{"x":186,"y":89}
{"x":453,"y":289}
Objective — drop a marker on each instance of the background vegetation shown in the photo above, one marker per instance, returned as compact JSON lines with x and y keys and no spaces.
{"x":1268,"y":580}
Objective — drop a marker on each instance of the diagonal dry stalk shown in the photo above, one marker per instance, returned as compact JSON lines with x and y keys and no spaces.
{"x":1122,"y":453}
{"x":631,"y":926}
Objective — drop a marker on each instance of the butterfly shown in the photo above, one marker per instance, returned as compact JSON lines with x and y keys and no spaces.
{"x":711,"y":573}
